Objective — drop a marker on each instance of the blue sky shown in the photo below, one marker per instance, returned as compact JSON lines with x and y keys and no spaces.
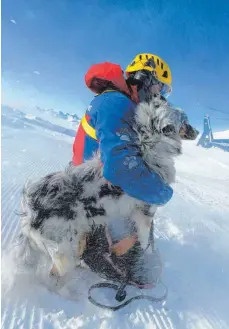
{"x":47,"y":47}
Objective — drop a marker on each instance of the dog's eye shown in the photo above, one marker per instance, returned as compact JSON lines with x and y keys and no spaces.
{"x":168,"y":130}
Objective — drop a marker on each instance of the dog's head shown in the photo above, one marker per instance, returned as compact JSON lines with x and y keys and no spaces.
{"x":157,"y":126}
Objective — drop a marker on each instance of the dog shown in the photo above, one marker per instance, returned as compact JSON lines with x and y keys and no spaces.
{"x":58,"y":211}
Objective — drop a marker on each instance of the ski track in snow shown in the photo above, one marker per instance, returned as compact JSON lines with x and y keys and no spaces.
{"x":192,"y":234}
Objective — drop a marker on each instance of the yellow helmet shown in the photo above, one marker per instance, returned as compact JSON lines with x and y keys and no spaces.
{"x":152,"y":63}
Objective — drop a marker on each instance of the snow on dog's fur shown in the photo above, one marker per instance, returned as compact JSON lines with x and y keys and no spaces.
{"x":59,"y":209}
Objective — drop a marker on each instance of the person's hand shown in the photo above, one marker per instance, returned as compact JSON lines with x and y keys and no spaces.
{"x":121,"y":247}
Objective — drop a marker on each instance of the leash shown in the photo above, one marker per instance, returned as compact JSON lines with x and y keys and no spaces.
{"x":122,"y":296}
{"x":120,"y":289}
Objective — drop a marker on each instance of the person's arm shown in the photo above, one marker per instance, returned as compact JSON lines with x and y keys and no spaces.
{"x":123,"y":166}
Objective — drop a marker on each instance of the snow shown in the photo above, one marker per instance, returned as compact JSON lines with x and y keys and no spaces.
{"x":192,"y":234}
{"x":221,"y":134}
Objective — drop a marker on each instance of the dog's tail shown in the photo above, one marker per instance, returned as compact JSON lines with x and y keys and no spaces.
{"x":23,"y":265}
{"x":34,"y":242}
{"x":60,"y":259}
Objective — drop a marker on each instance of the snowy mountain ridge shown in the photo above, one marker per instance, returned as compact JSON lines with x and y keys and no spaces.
{"x":60,"y":114}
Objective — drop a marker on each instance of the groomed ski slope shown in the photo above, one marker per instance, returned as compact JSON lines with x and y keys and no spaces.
{"x":192,"y":234}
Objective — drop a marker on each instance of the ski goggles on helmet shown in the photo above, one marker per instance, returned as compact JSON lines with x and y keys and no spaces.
{"x":157,"y":87}
{"x":165,"y":90}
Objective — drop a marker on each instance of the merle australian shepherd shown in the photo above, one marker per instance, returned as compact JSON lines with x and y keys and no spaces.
{"x":58,"y":211}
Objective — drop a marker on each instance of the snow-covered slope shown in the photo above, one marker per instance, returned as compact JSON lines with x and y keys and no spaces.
{"x":221,"y":134}
{"x":192,"y":234}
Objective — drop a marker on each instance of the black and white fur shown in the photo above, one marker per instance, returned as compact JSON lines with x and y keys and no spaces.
{"x":59,"y":209}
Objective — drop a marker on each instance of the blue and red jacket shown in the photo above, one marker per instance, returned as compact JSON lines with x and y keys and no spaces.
{"x":102,"y":128}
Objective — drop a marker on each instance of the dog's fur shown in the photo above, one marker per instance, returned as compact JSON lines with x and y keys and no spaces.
{"x":59,"y":209}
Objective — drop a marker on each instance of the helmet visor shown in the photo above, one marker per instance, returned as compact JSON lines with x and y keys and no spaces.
{"x":166,"y":90}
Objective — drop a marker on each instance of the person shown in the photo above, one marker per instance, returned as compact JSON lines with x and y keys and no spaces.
{"x":103,"y":126}
{"x":104,"y":121}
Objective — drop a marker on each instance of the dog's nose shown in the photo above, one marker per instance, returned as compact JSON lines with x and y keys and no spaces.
{"x":188,"y":132}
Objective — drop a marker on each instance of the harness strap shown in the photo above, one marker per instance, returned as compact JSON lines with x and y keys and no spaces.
{"x":115,"y":287}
